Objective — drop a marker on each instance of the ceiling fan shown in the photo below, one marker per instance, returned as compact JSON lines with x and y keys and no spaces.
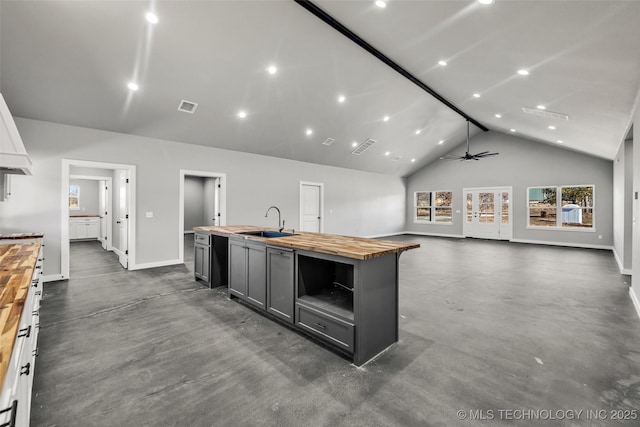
{"x":467,"y":155}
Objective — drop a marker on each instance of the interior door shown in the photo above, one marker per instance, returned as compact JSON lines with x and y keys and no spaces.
{"x":104,"y":214}
{"x":310,"y":207}
{"x":487,"y":213}
{"x":123,"y":218}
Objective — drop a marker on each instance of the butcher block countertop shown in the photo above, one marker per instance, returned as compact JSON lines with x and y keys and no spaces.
{"x":346,"y":246}
{"x":17,"y":262}
{"x":21,"y":236}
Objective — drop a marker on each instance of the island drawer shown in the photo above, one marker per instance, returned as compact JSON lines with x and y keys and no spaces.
{"x":202,"y":238}
{"x":331,"y":329}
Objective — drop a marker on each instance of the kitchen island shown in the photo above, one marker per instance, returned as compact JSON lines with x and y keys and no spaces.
{"x":341,"y":290}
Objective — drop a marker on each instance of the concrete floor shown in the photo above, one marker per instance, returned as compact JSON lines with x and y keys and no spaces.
{"x":486,"y":327}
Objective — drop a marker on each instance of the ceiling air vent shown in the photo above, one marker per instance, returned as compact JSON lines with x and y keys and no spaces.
{"x":363,"y":147}
{"x":187,"y":106}
{"x":328,"y":141}
{"x":545,"y":113}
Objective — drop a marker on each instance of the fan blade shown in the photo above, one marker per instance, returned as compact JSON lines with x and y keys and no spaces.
{"x":486,"y":154}
{"x":480,"y":154}
{"x":451,"y":157}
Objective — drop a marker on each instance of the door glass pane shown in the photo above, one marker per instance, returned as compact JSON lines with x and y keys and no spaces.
{"x":486,"y":208}
{"x":505,"y":208}
{"x":469,"y":207}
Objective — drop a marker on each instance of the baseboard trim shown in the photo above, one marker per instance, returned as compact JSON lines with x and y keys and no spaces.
{"x":189,"y":232}
{"x":635,"y":301}
{"x":377,"y":236}
{"x":623,"y":270}
{"x":569,"y":245}
{"x":421,"y":233}
{"x":155,"y":264}
{"x":52,"y":278}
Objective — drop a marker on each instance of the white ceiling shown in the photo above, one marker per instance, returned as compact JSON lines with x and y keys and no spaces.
{"x":70,"y":61}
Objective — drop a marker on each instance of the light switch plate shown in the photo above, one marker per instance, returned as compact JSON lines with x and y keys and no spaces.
{"x":149,"y":214}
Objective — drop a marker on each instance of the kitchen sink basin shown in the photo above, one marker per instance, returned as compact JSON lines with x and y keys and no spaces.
{"x":266,"y":233}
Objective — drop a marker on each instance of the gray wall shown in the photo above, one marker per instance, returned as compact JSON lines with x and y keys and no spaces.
{"x":194,"y":202}
{"x":623,"y":205}
{"x":363,"y":204}
{"x":522,"y":163}
{"x":89,"y":196}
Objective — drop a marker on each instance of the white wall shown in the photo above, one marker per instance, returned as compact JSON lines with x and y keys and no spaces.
{"x":635,"y":263}
{"x":194,"y":202}
{"x":623,"y":206}
{"x":521,"y":163}
{"x":363,"y":204}
{"x":89,"y":197}
{"x":210,"y":201}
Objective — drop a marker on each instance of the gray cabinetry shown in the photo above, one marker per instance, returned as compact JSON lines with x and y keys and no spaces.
{"x":247,"y":271}
{"x":202,"y":264}
{"x":280,"y":283}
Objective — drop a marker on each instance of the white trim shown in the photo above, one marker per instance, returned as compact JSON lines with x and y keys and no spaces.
{"x":558,"y":208}
{"x":432,"y":223}
{"x":64,"y":209}
{"x":377,"y":236}
{"x":466,"y":231}
{"x":52,"y":278}
{"x":432,"y":208}
{"x":156,"y":264}
{"x":222,"y":208}
{"x":634,"y":299}
{"x":569,"y":245}
{"x":623,"y":270}
{"x":321,"y":208}
{"x":420,"y":233}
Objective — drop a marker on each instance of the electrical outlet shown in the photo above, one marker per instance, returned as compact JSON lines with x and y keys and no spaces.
{"x":599,"y":236}
{"x":149,"y":215}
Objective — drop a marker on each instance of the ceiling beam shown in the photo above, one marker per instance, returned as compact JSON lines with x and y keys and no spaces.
{"x":311,"y":7}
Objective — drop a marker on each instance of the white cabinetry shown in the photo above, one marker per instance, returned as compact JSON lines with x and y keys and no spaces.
{"x":84,"y":227}
{"x":15,"y":400}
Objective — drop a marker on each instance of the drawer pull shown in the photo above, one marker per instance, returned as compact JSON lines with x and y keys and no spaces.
{"x":13,"y":409}
{"x":35,"y":313}
{"x":24,"y":333}
{"x":25,"y":369}
{"x":320,"y":325}
{"x":38,"y":267}
{"x":37,"y":293}
{"x":35,"y":283}
{"x":35,"y":352}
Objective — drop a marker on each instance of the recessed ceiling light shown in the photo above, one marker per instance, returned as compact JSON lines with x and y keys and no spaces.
{"x":541,"y":107}
{"x":242,"y":114}
{"x":498,"y":116}
{"x":485,"y":1}
{"x":381,"y":4}
{"x":418,"y":132}
{"x":441,"y":142}
{"x":552,"y":127}
{"x":387,"y":153}
{"x":133,"y":86}
{"x":341,"y":98}
{"x":443,"y":63}
{"x":413,"y":160}
{"x":354,"y":144}
{"x":152,"y":18}
{"x":523,"y":72}
{"x":308,"y":132}
{"x":476,"y":95}
{"x":512,"y":130}
{"x":559,"y":141}
{"x":271,"y":69}
{"x":385,"y":118}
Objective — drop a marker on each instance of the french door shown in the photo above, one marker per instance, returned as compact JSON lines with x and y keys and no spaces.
{"x":487,"y":213}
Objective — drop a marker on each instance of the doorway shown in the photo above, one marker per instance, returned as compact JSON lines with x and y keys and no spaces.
{"x":202,"y":203}
{"x":311,"y":205}
{"x":122,"y":198}
{"x":102,"y":205}
{"x":487,"y":213}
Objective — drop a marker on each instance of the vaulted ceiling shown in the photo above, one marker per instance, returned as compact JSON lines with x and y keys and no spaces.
{"x":70,"y":62}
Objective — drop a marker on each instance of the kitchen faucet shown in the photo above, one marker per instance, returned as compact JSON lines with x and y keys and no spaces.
{"x":280,"y":228}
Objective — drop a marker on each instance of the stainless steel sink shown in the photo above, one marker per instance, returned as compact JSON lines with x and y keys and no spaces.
{"x":266,"y":233}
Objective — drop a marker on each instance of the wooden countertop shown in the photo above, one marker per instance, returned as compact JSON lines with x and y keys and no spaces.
{"x":346,"y":246}
{"x":19,"y":236}
{"x":17,"y":262}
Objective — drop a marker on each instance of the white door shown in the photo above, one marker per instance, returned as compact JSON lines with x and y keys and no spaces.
{"x":123,"y":218}
{"x":311,"y":207}
{"x":104,"y":214}
{"x":487,"y":213}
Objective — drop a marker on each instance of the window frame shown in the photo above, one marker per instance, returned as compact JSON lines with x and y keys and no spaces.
{"x":558,"y":208}
{"x":76,"y":196}
{"x":433,"y":208}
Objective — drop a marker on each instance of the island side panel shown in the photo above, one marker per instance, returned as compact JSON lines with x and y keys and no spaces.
{"x":376,"y":307}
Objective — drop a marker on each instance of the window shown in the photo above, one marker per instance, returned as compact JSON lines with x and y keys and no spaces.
{"x":74,"y":197}
{"x":572,"y":209}
{"x":433,"y":207}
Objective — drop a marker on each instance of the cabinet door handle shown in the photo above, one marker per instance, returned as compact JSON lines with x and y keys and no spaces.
{"x":34,"y":283}
{"x":25,"y":369}
{"x":320,"y":325}
{"x":37,"y":293}
{"x":13,"y":409}
{"x":35,"y":313}
{"x":24,"y":333}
